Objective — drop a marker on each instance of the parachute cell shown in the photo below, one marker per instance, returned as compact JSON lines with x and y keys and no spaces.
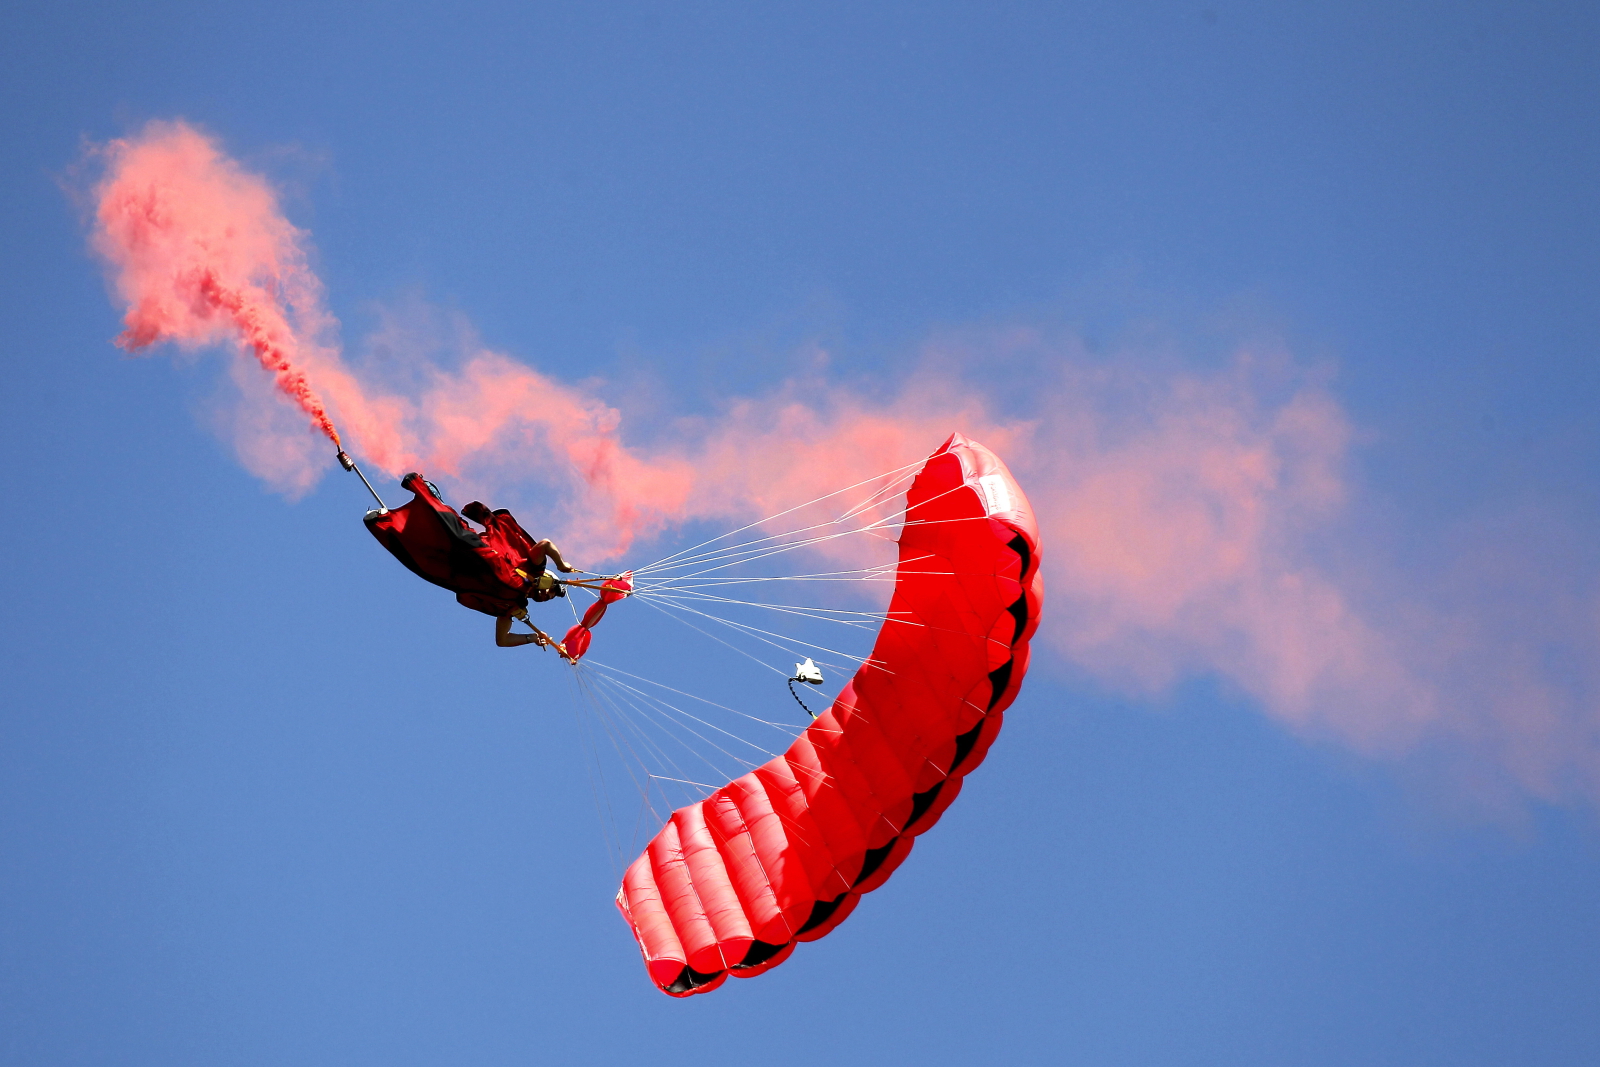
{"x":784,"y":853}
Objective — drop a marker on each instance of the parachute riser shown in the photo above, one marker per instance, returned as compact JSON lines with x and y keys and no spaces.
{"x":587,"y":583}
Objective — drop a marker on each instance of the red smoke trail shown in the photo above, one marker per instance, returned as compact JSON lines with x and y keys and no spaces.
{"x":201,"y":254}
{"x":199,"y":246}
{"x":258,"y":336}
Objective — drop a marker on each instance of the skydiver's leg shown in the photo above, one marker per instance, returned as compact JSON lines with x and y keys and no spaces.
{"x":546,"y":548}
{"x":504,"y":638}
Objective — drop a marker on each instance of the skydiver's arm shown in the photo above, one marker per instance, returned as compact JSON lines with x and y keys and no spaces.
{"x":504,"y":638}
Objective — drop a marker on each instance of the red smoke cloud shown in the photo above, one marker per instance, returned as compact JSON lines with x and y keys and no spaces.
{"x":201,"y":253}
{"x":1183,"y":512}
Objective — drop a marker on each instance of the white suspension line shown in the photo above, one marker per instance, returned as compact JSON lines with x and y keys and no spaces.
{"x":662,"y":704}
{"x":684,"y":560}
{"x":723,"y":562}
{"x":740,"y":763}
{"x":617,"y":743}
{"x":667,"y":761}
{"x":597,"y":706}
{"x":755,"y":554}
{"x":781,"y":514}
{"x":650,"y":601}
{"x":786,"y":727}
{"x":644,"y":789}
{"x":754,"y":630}
{"x":710,"y":583}
{"x":593,"y":770}
{"x":678,"y":604}
{"x":661,"y":754}
{"x":788,"y":609}
{"x":676,"y":581}
{"x":667,"y":708}
{"x":880,"y":523}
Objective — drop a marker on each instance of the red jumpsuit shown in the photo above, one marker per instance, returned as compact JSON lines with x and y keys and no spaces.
{"x":493,"y":572}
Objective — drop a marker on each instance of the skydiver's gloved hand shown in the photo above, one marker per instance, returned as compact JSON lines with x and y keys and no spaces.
{"x":538,"y":637}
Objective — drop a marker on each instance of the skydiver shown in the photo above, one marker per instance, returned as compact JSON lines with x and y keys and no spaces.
{"x":497,"y":571}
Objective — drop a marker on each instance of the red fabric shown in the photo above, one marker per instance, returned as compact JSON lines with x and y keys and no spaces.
{"x":576,"y":642}
{"x":436,"y":544}
{"x":611,"y":590}
{"x":783,"y":854}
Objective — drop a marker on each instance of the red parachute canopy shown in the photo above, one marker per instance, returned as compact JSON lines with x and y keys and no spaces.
{"x":783,"y":854}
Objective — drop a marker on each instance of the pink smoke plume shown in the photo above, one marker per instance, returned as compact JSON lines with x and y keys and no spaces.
{"x":201,"y":252}
{"x":1187,"y":515}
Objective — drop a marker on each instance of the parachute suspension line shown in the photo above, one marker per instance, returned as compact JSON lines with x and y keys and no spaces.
{"x":661,"y":705}
{"x":663,"y":769}
{"x":749,"y":630}
{"x":591,"y":698}
{"x":748,"y":554}
{"x":866,"y":573}
{"x":748,"y":526}
{"x":750,"y":549}
{"x":595,"y":771}
{"x":689,"y":796}
{"x":783,"y":726}
{"x":759,"y":547}
{"x":883,"y":617}
{"x":651,"y":779}
{"x":619,"y":742}
{"x":672,"y":602}
{"x":872,"y":573}
{"x":633,"y":697}
{"x":823,"y":614}
{"x":753,"y":547}
{"x":650,"y":601}
{"x":632,"y":718}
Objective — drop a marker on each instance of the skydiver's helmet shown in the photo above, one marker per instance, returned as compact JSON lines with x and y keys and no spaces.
{"x":545,"y":587}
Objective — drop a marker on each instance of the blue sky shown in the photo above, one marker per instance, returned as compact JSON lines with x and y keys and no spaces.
{"x":264,"y":798}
